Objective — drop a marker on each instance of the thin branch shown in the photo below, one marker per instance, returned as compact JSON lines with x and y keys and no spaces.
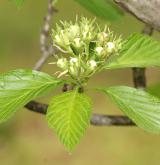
{"x":139,"y":77}
{"x":110,"y":120}
{"x":37,"y":107}
{"x":146,"y":11}
{"x":46,"y":50}
{"x":96,"y":119}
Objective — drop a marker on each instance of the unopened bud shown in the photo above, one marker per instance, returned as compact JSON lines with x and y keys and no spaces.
{"x":110,"y":46}
{"x":74,"y":29}
{"x":74,"y":60}
{"x":93,"y":64}
{"x":77,"y":42}
{"x":57,"y":38}
{"x":62,"y":63}
{"x":99,"y":50}
{"x":102,"y":36}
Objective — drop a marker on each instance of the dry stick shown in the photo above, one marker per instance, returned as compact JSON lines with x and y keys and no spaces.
{"x":46,"y":50}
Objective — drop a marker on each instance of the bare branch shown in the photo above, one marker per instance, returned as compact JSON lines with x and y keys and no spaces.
{"x":46,"y":50}
{"x":139,"y":77}
{"x":147,"y":11}
{"x":96,"y":119}
{"x":37,"y":107}
{"x":110,"y":120}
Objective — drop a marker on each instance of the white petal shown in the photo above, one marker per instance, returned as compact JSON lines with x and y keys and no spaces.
{"x":110,"y":45}
{"x":74,"y":60}
{"x":93,"y":63}
{"x":99,"y":50}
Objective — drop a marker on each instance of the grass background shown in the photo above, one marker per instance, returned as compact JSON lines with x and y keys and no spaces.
{"x":26,"y":139}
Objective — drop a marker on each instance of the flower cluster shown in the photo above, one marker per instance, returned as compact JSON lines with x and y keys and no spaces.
{"x":87,"y":45}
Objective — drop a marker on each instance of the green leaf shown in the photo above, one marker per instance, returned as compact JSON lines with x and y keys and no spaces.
{"x":69,"y":115}
{"x":140,"y":106}
{"x":154,"y":90}
{"x":18,"y":87}
{"x":104,"y":9}
{"x":137,"y":51}
{"x":18,"y":2}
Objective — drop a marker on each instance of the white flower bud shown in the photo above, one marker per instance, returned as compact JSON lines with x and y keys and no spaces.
{"x":73,"y":60}
{"x":110,"y":46}
{"x":66,"y":40}
{"x":90,"y":35}
{"x":57,"y":38}
{"x":86,"y":28}
{"x":99,"y":50}
{"x":62,"y":63}
{"x":93,"y":64}
{"x":77,"y":42}
{"x":102,"y":36}
{"x":84,"y":35}
{"x":62,"y":32}
{"x":72,"y":70}
{"x":74,"y":29}
{"x":105,"y":35}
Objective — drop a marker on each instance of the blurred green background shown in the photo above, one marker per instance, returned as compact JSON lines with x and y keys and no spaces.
{"x":26,"y":139}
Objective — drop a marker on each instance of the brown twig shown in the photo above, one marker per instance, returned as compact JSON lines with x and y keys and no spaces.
{"x":139,"y":77}
{"x":96,"y":119}
{"x":46,"y":50}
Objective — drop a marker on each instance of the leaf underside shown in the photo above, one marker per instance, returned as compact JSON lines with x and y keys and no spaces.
{"x":104,"y":9}
{"x":20,"y":86}
{"x":140,"y":106}
{"x":137,"y":51}
{"x":69,"y":115}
